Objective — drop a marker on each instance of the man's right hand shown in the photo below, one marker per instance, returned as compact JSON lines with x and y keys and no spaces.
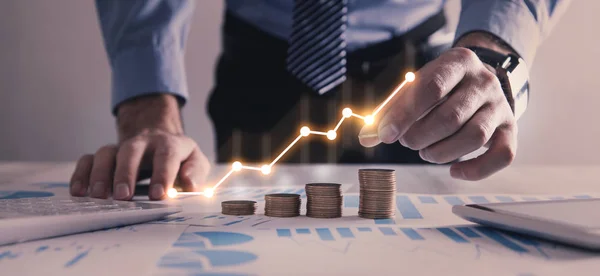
{"x":151,"y":138}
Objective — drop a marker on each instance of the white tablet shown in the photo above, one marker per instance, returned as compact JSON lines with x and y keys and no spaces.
{"x":575,"y":222}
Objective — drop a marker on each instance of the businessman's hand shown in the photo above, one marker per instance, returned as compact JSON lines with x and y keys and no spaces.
{"x":151,"y":139}
{"x":454,"y":107}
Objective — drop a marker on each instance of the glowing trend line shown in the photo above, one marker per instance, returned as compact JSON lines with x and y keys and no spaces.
{"x":339,"y":124}
{"x":285,"y":150}
{"x":358,"y":116}
{"x":304,"y":132}
{"x":389,"y":98}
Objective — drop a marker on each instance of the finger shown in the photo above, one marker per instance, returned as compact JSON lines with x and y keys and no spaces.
{"x":129,"y":158}
{"x":471,"y":137}
{"x":368,"y":136}
{"x":433,"y":83}
{"x":81,"y":175}
{"x":501,"y":153}
{"x":103,"y":171}
{"x":168,"y":155}
{"x":448,"y":117}
{"x":194,"y":171}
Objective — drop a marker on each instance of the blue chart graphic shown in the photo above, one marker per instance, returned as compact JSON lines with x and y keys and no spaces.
{"x":51,"y":185}
{"x":201,"y":247}
{"x":23,"y":194}
{"x":460,"y":235}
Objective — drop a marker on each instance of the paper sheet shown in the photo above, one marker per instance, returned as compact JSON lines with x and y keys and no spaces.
{"x":423,"y":238}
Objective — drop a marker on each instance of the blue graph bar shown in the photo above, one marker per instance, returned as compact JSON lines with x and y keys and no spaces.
{"x":467,"y":231}
{"x":412,"y":234}
{"x":234,"y":222}
{"x":501,"y":240}
{"x":454,"y":200}
{"x":452,"y":235}
{"x":351,"y":201}
{"x":345,"y":232}
{"x":427,"y":199}
{"x":284,"y":233}
{"x":529,"y":198}
{"x":364,"y":229}
{"x":303,"y":231}
{"x":289,"y":190}
{"x":387,"y":231}
{"x":407,"y":208}
{"x":582,"y":196}
{"x":211,"y":216}
{"x":505,"y":199}
{"x":325,"y":234}
{"x":479,"y":199}
{"x":522,"y":239}
{"x":385,"y":221}
{"x":556,"y":198}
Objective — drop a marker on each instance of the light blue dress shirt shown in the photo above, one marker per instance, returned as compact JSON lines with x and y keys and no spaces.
{"x":145,"y":39}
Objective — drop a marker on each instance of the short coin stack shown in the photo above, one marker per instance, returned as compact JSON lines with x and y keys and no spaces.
{"x":282,"y":205}
{"x":238,"y":207}
{"x":324,"y":200}
{"x":377,"y":193}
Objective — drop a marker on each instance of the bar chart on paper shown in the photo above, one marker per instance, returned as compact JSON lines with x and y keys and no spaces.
{"x":424,"y":231}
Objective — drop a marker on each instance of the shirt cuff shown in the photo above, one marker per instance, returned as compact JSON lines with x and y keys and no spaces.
{"x":148,"y":70}
{"x":511,"y":21}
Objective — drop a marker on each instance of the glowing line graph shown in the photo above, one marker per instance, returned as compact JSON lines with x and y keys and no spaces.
{"x":305,"y":131}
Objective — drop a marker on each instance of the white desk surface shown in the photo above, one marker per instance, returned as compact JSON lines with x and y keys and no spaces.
{"x":136,"y":250}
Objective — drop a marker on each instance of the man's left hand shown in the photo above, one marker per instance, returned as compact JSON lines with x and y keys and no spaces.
{"x":454,"y":107}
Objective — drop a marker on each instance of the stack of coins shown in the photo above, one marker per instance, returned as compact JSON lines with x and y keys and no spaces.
{"x":238,"y":207}
{"x":324,"y":200}
{"x":282,"y":205}
{"x":377,"y":193}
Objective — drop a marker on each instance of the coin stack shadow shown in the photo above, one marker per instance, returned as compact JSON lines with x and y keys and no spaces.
{"x":324,"y":200}
{"x":377,"y":193}
{"x":238,"y":207}
{"x":282,"y":205}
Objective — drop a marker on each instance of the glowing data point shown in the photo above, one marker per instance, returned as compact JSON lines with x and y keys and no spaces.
{"x":236,"y":166}
{"x":209,"y":192}
{"x":304,"y":131}
{"x":331,"y":135}
{"x":172,"y":193}
{"x":347,"y":112}
{"x":369,"y":120}
{"x":265,"y":169}
{"x":409,"y":77}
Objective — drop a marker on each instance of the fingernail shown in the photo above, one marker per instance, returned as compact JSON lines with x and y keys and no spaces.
{"x":423,"y":154}
{"x":76,"y":188}
{"x":98,"y":189}
{"x":157,"y":191}
{"x":388,"y":133}
{"x":122,"y":191}
{"x":457,"y":173}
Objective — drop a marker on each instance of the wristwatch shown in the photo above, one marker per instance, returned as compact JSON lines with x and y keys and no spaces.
{"x":513,"y":74}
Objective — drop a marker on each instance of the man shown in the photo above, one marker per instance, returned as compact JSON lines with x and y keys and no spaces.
{"x":287,"y":63}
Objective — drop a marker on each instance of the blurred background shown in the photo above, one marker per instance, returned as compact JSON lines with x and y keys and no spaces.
{"x":55,"y":83}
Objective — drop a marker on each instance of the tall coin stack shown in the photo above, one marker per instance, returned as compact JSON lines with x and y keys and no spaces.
{"x":324,"y":200}
{"x":377,"y":193}
{"x":238,"y":207}
{"x":282,"y":205}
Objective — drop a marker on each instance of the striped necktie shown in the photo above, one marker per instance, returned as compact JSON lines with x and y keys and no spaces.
{"x":316,"y":54}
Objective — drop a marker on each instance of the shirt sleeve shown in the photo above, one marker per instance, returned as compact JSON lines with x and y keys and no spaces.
{"x":522,"y":24}
{"x":145,"y":41}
